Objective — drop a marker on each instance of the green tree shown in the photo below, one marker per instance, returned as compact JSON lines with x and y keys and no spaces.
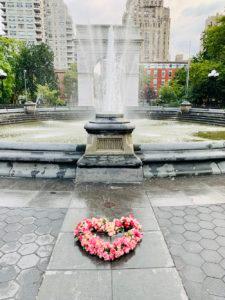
{"x":49,"y":97}
{"x":37,"y":60}
{"x":214,"y":42}
{"x":9,"y":52}
{"x":70,"y":82}
{"x":168,"y":96}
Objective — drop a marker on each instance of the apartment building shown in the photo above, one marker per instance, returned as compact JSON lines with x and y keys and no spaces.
{"x":153,"y":19}
{"x":37,"y":21}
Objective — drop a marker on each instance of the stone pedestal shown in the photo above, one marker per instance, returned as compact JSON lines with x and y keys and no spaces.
{"x":109,"y":155}
{"x":185,"y":107}
{"x":30,"y":107}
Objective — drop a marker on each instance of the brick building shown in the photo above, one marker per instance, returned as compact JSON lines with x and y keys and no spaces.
{"x":157,"y":74}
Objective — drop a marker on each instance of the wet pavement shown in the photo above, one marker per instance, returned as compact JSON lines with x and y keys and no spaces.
{"x":182,"y":255}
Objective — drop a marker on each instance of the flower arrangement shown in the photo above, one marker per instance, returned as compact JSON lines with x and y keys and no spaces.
{"x":85,"y":233}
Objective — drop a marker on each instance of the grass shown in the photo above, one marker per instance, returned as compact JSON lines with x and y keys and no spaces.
{"x":211,"y":135}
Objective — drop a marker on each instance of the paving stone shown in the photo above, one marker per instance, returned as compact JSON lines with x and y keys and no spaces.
{"x":2,"y":224}
{"x":207,"y":234}
{"x":28,"y":238}
{"x":28,"y":291}
{"x":13,"y":219}
{"x":193,"y":289}
{"x":11,"y":236}
{"x":151,"y":253}
{"x":8,"y":273}
{"x":45,"y":251}
{"x":9,"y":259}
{"x":205,"y":217}
{"x":55,"y":215}
{"x":28,"y":261}
{"x":177,"y":220}
{"x":26,"y":249}
{"x":222,"y":251}
{"x":209,"y":244}
{"x":215,"y":287}
{"x":218,"y":215}
{"x":178,"y":213}
{"x":28,"y":220}
{"x":29,"y":276}
{"x":8,"y":289}
{"x":45,"y":229}
{"x":156,"y":284}
{"x":192,"y":259}
{"x":192,"y":227}
{"x":194,"y":274}
{"x":192,"y":236}
{"x":45,"y":240}
{"x":204,"y":210}
{"x":177,"y":229}
{"x":219,"y":222}
{"x":221,"y":240}
{"x":10,"y":247}
{"x":76,"y":285}
{"x":220,"y":231}
{"x":211,"y":256}
{"x":43,"y":264}
{"x":42,"y":221}
{"x":176,"y":238}
{"x":206,"y":225}
{"x":213,"y":270}
{"x":192,"y":247}
{"x":13,"y":227}
{"x":29,"y":228}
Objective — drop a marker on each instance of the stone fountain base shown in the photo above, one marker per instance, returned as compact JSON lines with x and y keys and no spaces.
{"x":109,"y":155}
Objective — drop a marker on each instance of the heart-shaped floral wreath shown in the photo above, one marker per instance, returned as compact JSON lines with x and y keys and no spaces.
{"x":85,"y":233}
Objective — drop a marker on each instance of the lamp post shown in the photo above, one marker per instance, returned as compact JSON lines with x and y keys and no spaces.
{"x":214,"y":75}
{"x":25,"y":83}
{"x":3,"y":76}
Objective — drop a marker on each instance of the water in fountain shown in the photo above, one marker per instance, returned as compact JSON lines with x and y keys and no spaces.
{"x":112,"y":98}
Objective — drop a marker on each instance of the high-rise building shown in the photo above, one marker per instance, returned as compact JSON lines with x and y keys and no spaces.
{"x":36,"y":21}
{"x":59,"y":33}
{"x":23,"y":19}
{"x":210,"y":21}
{"x":153,"y":20}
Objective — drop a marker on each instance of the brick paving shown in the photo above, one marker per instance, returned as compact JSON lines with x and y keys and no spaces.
{"x":27,"y":238}
{"x":196,"y":239}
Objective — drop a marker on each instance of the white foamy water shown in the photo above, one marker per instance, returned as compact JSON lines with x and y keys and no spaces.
{"x":147,"y":131}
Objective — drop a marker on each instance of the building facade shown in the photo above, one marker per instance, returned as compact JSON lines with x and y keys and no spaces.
{"x":36,"y":21}
{"x":210,"y":21}
{"x":158,"y":74}
{"x":59,"y":33}
{"x":153,"y":19}
{"x":23,"y":20}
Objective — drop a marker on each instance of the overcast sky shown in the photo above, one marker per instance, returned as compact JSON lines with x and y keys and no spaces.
{"x":188,"y":18}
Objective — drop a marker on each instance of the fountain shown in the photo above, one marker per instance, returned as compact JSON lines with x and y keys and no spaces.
{"x":109,"y":155}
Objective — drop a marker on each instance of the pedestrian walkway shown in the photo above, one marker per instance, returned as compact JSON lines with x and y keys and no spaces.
{"x":181,"y":256}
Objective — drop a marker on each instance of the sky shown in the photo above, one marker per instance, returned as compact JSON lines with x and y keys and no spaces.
{"x":187,"y":18}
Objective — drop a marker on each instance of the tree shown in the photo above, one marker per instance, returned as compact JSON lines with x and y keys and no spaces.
{"x":9,"y":52}
{"x":168,"y":96}
{"x":214,"y":42}
{"x":70,"y":82}
{"x":204,"y":90}
{"x":37,"y":60}
{"x":48,"y":96}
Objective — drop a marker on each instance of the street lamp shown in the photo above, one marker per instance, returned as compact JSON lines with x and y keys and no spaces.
{"x":3,"y":76}
{"x":25,"y":83}
{"x":214,"y":75}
